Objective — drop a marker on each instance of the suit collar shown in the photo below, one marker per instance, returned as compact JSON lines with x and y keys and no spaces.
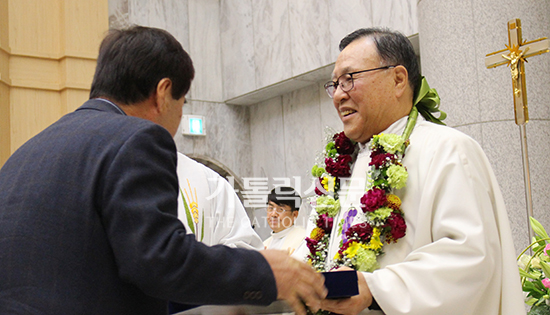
{"x":103,"y":105}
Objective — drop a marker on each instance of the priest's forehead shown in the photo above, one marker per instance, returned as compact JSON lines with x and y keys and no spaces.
{"x":358,"y":55}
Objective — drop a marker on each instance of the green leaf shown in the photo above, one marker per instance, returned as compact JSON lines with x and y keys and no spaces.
{"x":202,"y":229}
{"x":427,"y":102}
{"x":537,"y":228}
{"x":545,"y":268}
{"x":531,"y":301}
{"x":528,"y":286}
{"x":541,"y":309}
{"x":532,"y":288}
{"x":525,"y":274}
{"x":187,"y":213}
{"x":539,"y":246}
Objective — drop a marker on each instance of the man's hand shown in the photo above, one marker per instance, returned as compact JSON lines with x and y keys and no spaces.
{"x":296,"y":281}
{"x":352,"y":305}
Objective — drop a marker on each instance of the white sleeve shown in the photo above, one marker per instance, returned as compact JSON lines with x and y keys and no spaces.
{"x":460,"y":256}
{"x":232,"y":226}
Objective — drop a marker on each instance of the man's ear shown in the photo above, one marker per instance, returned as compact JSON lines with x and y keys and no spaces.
{"x":163,"y":94}
{"x":401,"y":79}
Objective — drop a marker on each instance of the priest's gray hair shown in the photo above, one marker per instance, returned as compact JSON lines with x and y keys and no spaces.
{"x":394,"y":48}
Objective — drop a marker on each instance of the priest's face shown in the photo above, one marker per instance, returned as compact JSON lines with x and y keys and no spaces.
{"x":364,"y":108}
{"x":280,"y":217}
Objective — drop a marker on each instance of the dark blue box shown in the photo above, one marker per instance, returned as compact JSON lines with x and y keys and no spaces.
{"x":341,"y":284}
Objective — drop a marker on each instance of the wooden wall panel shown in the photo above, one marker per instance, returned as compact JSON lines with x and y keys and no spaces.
{"x":83,"y":39}
{"x":76,"y":73}
{"x":35,"y":27}
{"x":48,"y":52}
{"x":32,"y":111}
{"x":33,"y":72}
{"x":4,"y":26}
{"x":5,"y":145}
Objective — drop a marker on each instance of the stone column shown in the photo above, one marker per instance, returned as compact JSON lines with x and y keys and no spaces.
{"x":454,"y":38}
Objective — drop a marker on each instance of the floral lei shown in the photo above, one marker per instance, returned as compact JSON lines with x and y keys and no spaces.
{"x":361,"y":243}
{"x":384,"y":223}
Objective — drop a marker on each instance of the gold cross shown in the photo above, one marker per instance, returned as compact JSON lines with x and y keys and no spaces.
{"x":516,"y":56}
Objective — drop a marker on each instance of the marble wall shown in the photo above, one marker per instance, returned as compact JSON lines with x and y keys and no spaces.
{"x":281,"y":39}
{"x":261,"y":65}
{"x":479,"y":100}
{"x":277,"y":51}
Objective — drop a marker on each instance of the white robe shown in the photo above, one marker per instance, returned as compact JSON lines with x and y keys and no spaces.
{"x":457,"y":256}
{"x":222,"y":218}
{"x":288,"y":239}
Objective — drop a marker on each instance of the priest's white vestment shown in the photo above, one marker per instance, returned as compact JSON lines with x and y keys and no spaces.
{"x":457,"y":256}
{"x":288,"y":239}
{"x":213,"y":208}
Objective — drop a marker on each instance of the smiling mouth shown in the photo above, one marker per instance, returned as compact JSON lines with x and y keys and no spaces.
{"x":347,"y":112}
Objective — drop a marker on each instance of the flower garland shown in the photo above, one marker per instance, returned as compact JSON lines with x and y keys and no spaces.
{"x":361,"y":243}
{"x":339,"y":155}
{"x":384,"y":222}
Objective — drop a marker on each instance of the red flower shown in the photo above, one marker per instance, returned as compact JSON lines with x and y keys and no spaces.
{"x":343,"y":144}
{"x":343,"y":248}
{"x":312,"y":245}
{"x":373,"y":199}
{"x":317,"y":234}
{"x":361,"y":230}
{"x":318,"y":192}
{"x":319,"y":189}
{"x":325,"y":222}
{"x":397,"y":224}
{"x":340,"y":167}
{"x":378,"y":158}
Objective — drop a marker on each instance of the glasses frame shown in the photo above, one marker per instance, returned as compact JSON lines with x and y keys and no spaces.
{"x":333,"y":85}
{"x":277,"y":209}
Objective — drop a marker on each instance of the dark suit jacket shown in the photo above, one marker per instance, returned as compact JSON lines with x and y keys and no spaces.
{"x":88,"y":225}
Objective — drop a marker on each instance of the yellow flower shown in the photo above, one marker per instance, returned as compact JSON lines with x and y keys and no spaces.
{"x":328,"y":183}
{"x":393,"y":201}
{"x":331,"y":184}
{"x":317,"y":234}
{"x":325,"y":183}
{"x":351,"y":251}
{"x":375,"y":242}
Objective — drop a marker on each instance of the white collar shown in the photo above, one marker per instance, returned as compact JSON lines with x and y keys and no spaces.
{"x":282,"y":233}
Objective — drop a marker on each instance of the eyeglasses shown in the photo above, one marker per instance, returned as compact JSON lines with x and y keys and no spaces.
{"x":345,"y":81}
{"x":279,"y":210}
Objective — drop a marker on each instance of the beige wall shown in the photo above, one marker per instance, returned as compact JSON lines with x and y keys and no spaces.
{"x":48,"y":51}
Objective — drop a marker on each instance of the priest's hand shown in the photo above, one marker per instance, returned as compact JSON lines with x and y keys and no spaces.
{"x":297,"y":282}
{"x":352,"y":305}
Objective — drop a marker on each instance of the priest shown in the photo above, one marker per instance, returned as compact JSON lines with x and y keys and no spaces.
{"x":283,"y":206}
{"x":411,"y":204}
{"x":210,"y":209}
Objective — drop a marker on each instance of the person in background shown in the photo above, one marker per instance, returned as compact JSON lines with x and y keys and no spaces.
{"x":210,"y":209}
{"x":88,"y":222}
{"x":283,"y":206}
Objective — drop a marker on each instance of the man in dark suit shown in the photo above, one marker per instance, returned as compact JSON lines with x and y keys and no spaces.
{"x":88,"y":207}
